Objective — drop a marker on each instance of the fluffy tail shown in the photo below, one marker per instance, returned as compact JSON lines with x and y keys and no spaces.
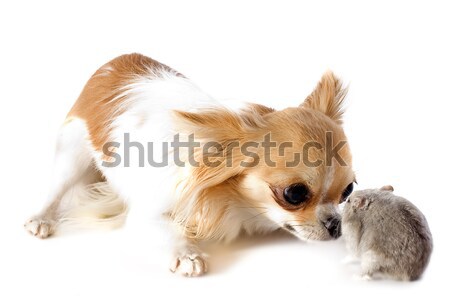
{"x":93,"y":206}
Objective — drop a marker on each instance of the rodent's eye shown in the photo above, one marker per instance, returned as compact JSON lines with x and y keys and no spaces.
{"x":348,"y":190}
{"x":296,"y":194}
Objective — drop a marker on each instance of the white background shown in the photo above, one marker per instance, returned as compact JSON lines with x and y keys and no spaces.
{"x":394,"y":55}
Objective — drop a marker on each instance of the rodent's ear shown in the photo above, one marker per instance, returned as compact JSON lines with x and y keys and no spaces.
{"x":389,"y":188}
{"x":328,"y":97}
{"x":360,"y":203}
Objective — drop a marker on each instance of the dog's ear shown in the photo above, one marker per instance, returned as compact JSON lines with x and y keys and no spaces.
{"x":328,"y":97}
{"x":219,"y":133}
{"x":219,"y":124}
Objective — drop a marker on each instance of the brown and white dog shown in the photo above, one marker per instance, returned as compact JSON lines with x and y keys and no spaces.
{"x":252,"y":170}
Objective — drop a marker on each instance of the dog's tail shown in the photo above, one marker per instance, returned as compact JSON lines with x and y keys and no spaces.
{"x":93,"y":206}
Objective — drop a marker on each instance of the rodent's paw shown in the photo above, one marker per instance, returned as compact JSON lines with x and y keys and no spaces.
{"x":349,"y":260}
{"x":366,"y":277}
{"x":362,"y":277}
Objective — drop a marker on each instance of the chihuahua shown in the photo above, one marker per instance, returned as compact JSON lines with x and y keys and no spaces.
{"x":229,"y":171}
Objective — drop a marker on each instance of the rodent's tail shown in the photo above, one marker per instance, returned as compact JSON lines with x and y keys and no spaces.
{"x":93,"y":206}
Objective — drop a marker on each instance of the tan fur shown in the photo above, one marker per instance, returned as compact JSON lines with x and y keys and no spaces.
{"x":225,"y":127}
{"x":328,"y":97}
{"x":201,"y":209}
{"x":101,"y":102}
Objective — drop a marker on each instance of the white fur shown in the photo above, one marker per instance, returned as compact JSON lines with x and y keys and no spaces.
{"x":329,"y":178}
{"x":93,"y":206}
{"x":79,"y":200}
{"x":73,"y":158}
{"x":148,"y":118}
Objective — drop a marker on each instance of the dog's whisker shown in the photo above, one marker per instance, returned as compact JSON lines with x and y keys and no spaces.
{"x":310,"y":234}
{"x":257,"y":215}
{"x":297,"y":220}
{"x":259,"y":207}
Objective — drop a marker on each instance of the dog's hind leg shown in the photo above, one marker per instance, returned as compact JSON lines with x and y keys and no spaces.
{"x":73,"y":163}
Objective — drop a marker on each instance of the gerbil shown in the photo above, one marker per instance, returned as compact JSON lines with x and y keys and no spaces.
{"x":387,"y":233}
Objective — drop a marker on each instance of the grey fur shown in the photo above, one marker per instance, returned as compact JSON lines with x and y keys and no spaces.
{"x":388,"y":233}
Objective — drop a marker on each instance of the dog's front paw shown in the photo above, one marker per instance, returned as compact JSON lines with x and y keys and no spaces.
{"x":40,"y":227}
{"x":189,"y":264}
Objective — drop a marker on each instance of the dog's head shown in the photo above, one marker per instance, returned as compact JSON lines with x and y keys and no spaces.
{"x":292,"y":166}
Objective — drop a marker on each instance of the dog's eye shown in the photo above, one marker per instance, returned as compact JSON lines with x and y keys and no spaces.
{"x":348,"y":190}
{"x":296,"y":194}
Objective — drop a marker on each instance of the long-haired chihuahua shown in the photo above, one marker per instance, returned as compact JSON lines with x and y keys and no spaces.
{"x":216,"y":171}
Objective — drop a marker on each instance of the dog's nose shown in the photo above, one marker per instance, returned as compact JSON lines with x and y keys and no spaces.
{"x":333,"y":225}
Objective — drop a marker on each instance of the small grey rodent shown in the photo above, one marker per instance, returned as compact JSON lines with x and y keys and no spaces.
{"x":387,"y":233}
